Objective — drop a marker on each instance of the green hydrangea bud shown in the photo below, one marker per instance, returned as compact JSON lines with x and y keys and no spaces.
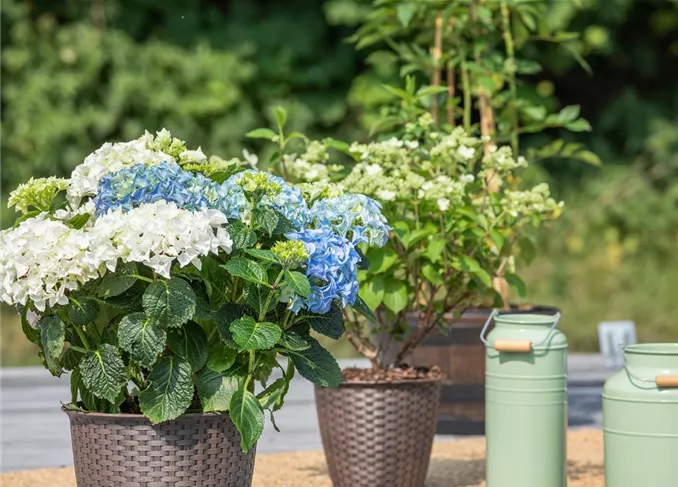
{"x":291,"y":253}
{"x":37,"y":193}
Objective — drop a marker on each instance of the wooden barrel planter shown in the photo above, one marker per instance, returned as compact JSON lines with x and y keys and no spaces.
{"x":461,"y":356}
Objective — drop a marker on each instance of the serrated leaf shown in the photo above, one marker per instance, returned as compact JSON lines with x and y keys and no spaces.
{"x":169,"y":303}
{"x":224,"y":317}
{"x":82,"y":312}
{"x":190,"y":343}
{"x":256,"y":297}
{"x":266,"y":219}
{"x":372,"y":292}
{"x":330,"y":324}
{"x":263,"y":255}
{"x":251,"y":335}
{"x":215,"y":278}
{"x":274,"y":395}
{"x":216,"y":389}
{"x":71,"y":358}
{"x":284,"y":225}
{"x":248,"y":417}
{"x":298,"y":282}
{"x":114,"y":284}
{"x":248,"y":270}
{"x":395,"y":295}
{"x":361,"y":307}
{"x":53,"y":336}
{"x":220,"y":357}
{"x":103,"y":372}
{"x":261,"y":133}
{"x":317,"y":365}
{"x":141,"y":338}
{"x":242,"y":236}
{"x":170,"y":390}
{"x":293,"y":341}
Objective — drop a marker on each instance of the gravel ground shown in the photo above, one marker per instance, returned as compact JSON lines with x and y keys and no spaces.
{"x":454,"y":464}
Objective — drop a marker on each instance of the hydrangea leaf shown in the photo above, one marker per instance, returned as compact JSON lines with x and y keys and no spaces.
{"x":114,"y":284}
{"x":248,"y":270}
{"x":83,"y":312}
{"x":266,"y":219}
{"x":274,"y":395}
{"x":255,"y":336}
{"x":317,"y":365}
{"x":169,"y":303}
{"x":248,"y":417}
{"x":263,"y":255}
{"x":221,"y":357}
{"x":242,"y":236}
{"x":103,"y":372}
{"x":216,"y":389}
{"x":361,"y":307}
{"x":293,"y":341}
{"x":143,"y":339}
{"x":190,"y":343}
{"x":53,"y":336}
{"x":170,"y":391}
{"x":256,"y":298}
{"x":395,"y":295}
{"x":298,"y":282}
{"x":330,"y":324}
{"x":215,"y":278}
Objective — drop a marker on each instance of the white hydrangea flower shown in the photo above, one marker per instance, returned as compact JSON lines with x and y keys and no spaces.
{"x":192,"y":157}
{"x":249,"y":158}
{"x":41,"y":260}
{"x":443,"y":204}
{"x":109,"y":158}
{"x":386,"y":195}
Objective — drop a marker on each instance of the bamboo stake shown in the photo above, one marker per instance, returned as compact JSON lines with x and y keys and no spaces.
{"x":451,"y":82}
{"x":437,"y":55}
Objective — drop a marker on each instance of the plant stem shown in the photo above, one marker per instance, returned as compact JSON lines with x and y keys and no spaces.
{"x":267,"y":303}
{"x":78,"y":349}
{"x":451,"y":81}
{"x":141,"y":278}
{"x":511,"y":58}
{"x":437,"y":55}
{"x":82,"y":336}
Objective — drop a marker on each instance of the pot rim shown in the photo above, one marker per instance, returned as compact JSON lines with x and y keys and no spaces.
{"x":95,"y":414}
{"x":652,"y":349}
{"x":383,"y":383}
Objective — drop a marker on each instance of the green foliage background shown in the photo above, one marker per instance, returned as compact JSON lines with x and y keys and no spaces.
{"x":76,"y":74}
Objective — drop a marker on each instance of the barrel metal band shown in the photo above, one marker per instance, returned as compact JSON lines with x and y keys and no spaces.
{"x":495,"y":313}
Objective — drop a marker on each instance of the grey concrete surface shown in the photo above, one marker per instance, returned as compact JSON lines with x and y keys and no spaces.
{"x":35,"y":433}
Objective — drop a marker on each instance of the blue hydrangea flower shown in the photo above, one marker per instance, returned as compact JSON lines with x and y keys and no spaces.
{"x":354,"y":216}
{"x":141,"y":184}
{"x":289,"y":200}
{"x":332,"y":269}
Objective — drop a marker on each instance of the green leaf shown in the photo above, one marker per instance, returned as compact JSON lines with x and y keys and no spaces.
{"x":225,"y":317}
{"x":170,"y":391}
{"x":169,"y":303}
{"x":405,"y":12}
{"x":516,"y":283}
{"x":274,"y":395}
{"x":317,"y":365}
{"x":263,"y":255}
{"x":432,"y":273}
{"x":248,"y":417}
{"x":381,"y":259}
{"x":284,"y":225}
{"x":361,"y":307}
{"x":141,"y":338}
{"x":215,"y":278}
{"x":103,"y":372}
{"x":298,"y":282}
{"x":33,"y":334}
{"x":53,"y":336}
{"x":114,"y":284}
{"x":256,"y":297}
{"x":280,"y":117}
{"x":216,"y":389}
{"x":395,"y":295}
{"x":569,"y":114}
{"x":78,"y":221}
{"x":498,"y":239}
{"x":242,"y":236}
{"x":247,"y":270}
{"x":418,"y":235}
{"x":251,"y":335}
{"x":82,"y":312}
{"x":527,"y":250}
{"x":434,"y":249}
{"x":220,"y":357}
{"x":293,"y":341}
{"x":330,"y":324}
{"x":261,"y":134}
{"x":579,"y":125}
{"x":266,"y":219}
{"x":190,"y":343}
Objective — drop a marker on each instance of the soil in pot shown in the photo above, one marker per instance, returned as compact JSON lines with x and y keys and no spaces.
{"x":378,"y":426}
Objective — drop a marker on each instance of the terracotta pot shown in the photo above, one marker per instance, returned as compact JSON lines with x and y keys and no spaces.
{"x":378,"y":434}
{"x":126,"y":450}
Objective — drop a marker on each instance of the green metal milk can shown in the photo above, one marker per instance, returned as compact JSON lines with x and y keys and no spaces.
{"x":640,"y":418}
{"x":525,"y":401}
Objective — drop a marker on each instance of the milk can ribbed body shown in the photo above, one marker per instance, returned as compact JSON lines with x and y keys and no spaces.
{"x":526,"y":402}
{"x":640,"y":418}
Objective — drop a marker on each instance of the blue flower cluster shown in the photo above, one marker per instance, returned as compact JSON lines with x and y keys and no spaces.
{"x":332,"y":269}
{"x":354,"y":216}
{"x":289,"y":201}
{"x":139,"y":184}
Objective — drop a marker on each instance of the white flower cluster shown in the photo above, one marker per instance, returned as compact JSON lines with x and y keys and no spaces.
{"x":501,"y":161}
{"x":42,"y":259}
{"x":456,"y":146}
{"x":444,"y":190}
{"x":535,"y":200}
{"x":312,"y":165}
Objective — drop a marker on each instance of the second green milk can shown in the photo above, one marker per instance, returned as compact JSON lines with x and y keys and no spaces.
{"x":525,"y":401}
{"x":640,"y":418}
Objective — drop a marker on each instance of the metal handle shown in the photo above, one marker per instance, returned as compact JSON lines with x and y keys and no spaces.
{"x":659,"y":381}
{"x":519,"y":346}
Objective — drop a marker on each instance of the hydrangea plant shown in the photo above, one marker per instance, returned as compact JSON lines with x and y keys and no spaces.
{"x":164,"y":290}
{"x":459,"y":217}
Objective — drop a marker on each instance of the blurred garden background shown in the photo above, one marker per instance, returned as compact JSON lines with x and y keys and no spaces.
{"x":76,"y":73}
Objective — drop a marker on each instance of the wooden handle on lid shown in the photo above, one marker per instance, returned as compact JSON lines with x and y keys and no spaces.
{"x":666,"y":380}
{"x":517,"y":346}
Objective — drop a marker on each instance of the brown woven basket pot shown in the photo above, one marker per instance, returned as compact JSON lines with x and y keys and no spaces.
{"x":378,"y":434}
{"x":126,"y":450}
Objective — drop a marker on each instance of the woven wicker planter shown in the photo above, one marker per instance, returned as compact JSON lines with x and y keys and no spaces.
{"x":126,"y":450}
{"x":378,"y":434}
